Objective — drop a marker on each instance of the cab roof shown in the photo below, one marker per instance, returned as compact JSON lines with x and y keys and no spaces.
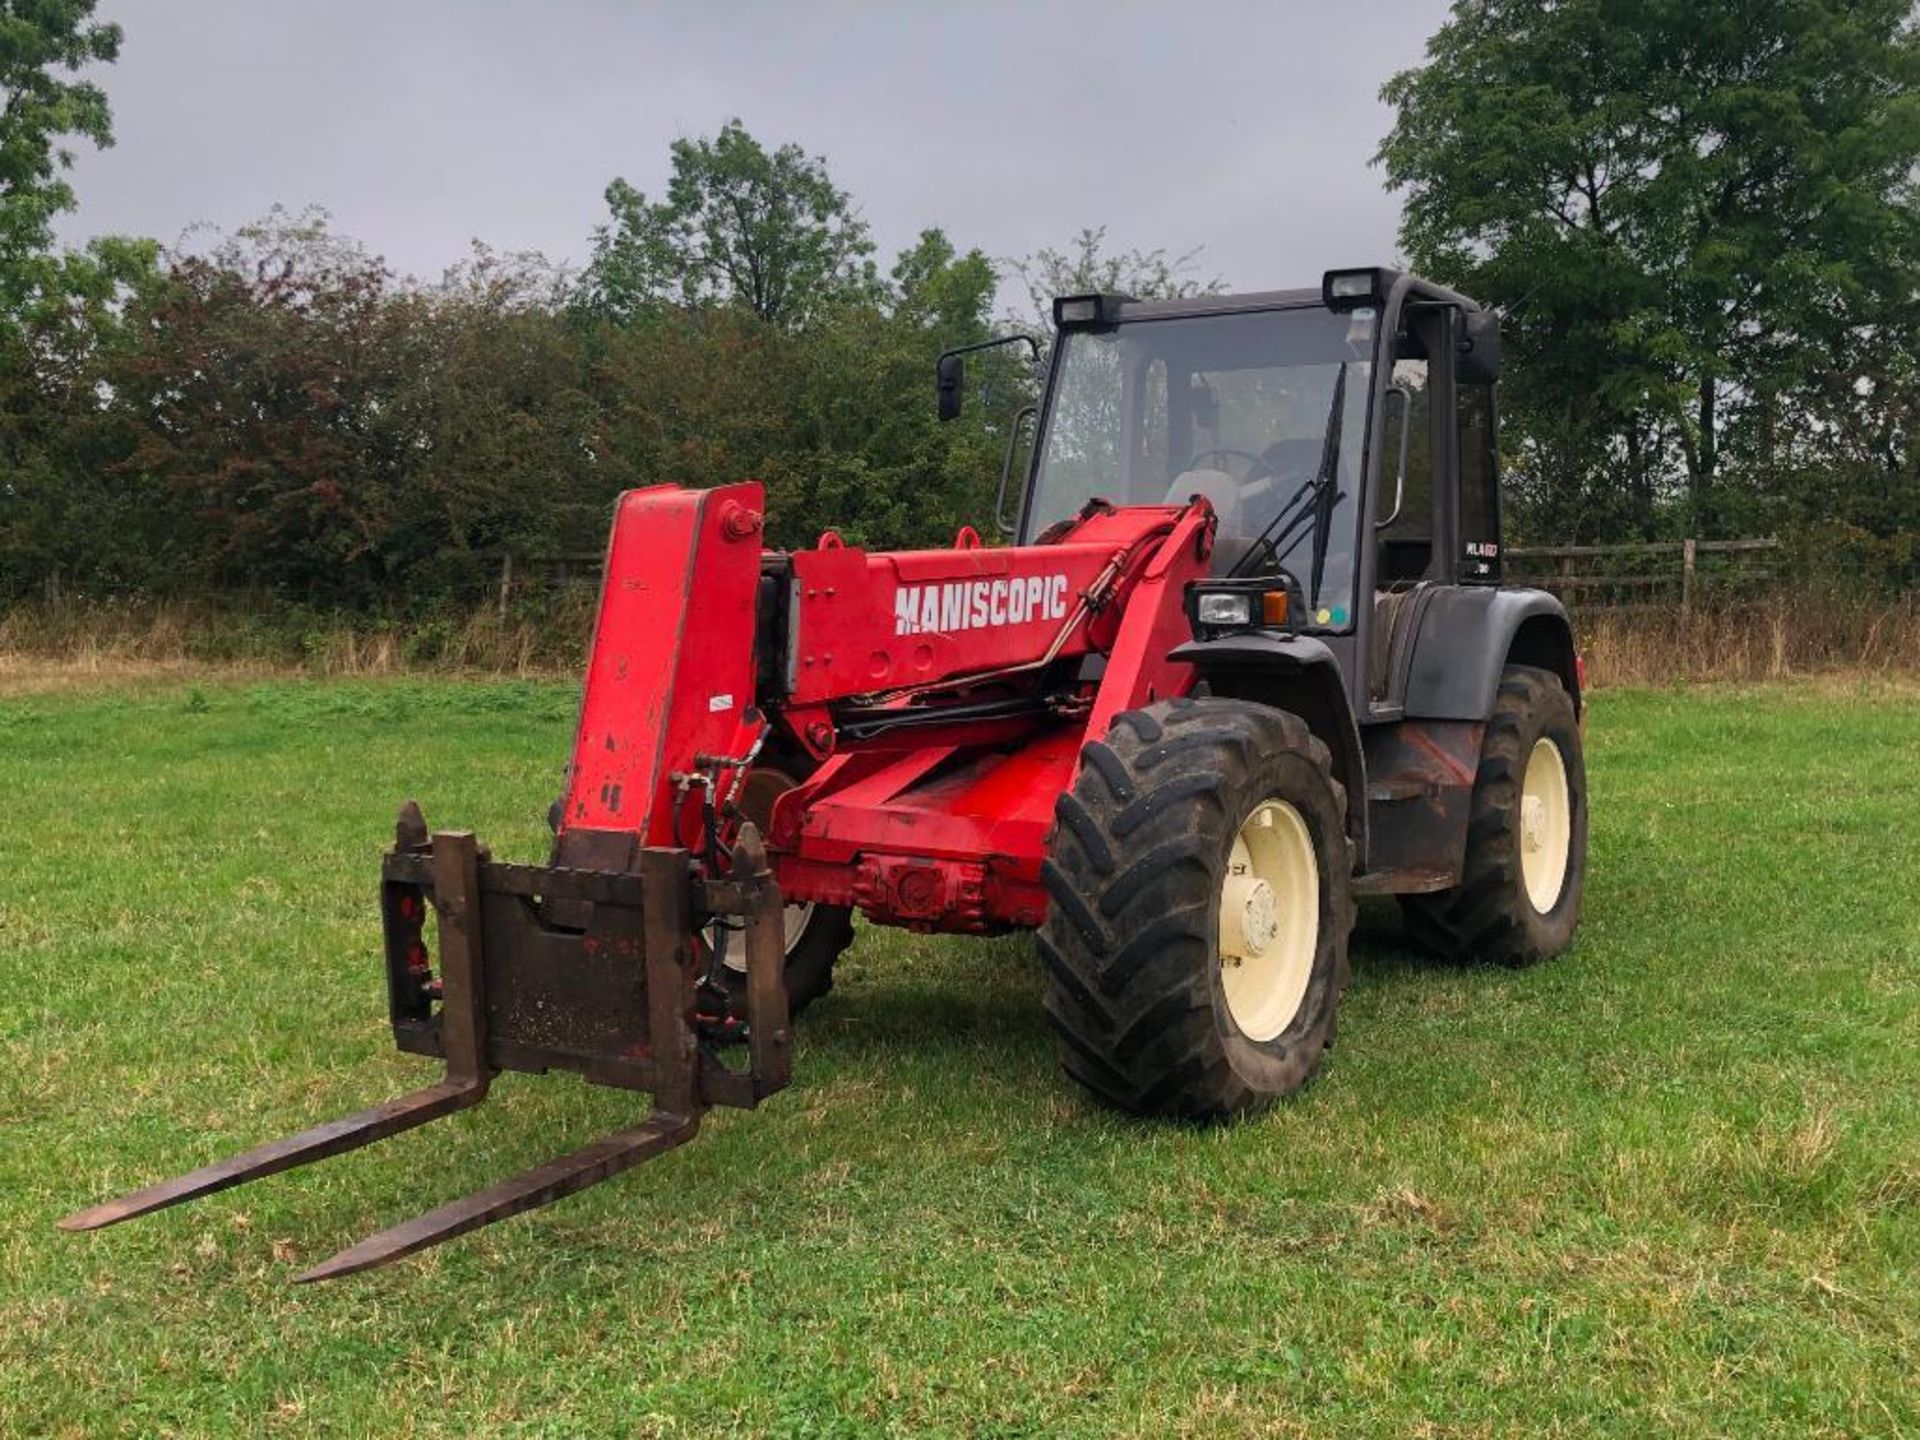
{"x":1128,"y":308}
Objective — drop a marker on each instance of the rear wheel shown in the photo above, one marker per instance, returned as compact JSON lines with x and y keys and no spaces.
{"x":1196,"y":936}
{"x":815,"y":934}
{"x":1526,"y":860}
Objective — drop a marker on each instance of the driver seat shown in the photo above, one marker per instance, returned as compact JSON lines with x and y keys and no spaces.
{"x":1222,"y":492}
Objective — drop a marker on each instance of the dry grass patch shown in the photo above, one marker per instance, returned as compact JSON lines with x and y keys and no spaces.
{"x":1782,"y":636}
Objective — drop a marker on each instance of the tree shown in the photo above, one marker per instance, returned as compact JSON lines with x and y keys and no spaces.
{"x":41,"y":41}
{"x":66,"y":518}
{"x":937,"y":288}
{"x":739,"y":226}
{"x":872,"y":459}
{"x":1084,"y":267}
{"x":837,"y":419}
{"x":1681,"y":207}
{"x":257,"y":400}
{"x":299,"y":422}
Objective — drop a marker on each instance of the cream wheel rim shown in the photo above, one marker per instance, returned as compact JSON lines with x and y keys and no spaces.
{"x":794,"y":920}
{"x":1546,"y":825}
{"x":1269,"y":920}
{"x":764,"y":786}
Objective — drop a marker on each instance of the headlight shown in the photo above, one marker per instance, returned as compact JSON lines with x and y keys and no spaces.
{"x":1216,"y":608}
{"x":1224,"y":607}
{"x":1351,"y":289}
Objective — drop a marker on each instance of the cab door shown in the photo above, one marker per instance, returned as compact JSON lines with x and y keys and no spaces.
{"x":1414,"y":520}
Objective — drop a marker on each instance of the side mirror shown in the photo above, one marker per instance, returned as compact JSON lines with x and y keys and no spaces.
{"x":1479,"y":348}
{"x":949,"y":382}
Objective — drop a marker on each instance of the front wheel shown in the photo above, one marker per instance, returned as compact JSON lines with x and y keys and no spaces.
{"x":815,"y":934}
{"x":1196,"y":935}
{"x":1526,"y":859}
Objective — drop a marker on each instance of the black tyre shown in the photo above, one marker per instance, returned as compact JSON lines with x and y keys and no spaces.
{"x":816,"y":934}
{"x":1526,"y":860}
{"x":1176,"y":987}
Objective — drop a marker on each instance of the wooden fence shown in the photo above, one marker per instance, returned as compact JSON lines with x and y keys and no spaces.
{"x":580,"y":567}
{"x":1652,"y":573}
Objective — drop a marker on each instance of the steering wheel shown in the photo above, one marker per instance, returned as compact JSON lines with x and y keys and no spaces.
{"x":1256,"y":465}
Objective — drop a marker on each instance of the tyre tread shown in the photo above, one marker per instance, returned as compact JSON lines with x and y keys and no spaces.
{"x":1125,"y":943}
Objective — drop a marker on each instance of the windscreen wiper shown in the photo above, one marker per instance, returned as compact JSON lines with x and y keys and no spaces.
{"x":1326,"y":483}
{"x":1309,"y":509}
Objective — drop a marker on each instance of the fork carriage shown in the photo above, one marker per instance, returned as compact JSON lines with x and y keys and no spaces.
{"x":540,"y":968}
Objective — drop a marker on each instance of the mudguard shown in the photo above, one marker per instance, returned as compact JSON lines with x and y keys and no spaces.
{"x":1469,"y":633}
{"x":1297,"y":673}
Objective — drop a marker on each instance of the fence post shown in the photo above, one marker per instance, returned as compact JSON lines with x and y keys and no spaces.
{"x":1687,"y":548}
{"x":506,"y":583}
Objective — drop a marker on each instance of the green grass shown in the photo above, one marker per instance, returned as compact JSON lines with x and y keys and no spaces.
{"x":1669,"y":1183}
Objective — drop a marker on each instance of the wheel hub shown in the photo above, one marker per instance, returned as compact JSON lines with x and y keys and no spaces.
{"x":1533,"y":822}
{"x":1250,"y":905}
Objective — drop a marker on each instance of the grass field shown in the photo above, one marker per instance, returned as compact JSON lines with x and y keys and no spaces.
{"x":1668,"y":1184}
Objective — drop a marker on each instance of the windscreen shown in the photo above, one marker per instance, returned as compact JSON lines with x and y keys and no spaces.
{"x":1262,"y":412}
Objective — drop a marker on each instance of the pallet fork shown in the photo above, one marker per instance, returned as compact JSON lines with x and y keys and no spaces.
{"x":537,"y":970}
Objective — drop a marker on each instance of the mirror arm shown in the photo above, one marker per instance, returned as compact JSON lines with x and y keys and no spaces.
{"x":1406,"y":433}
{"x":1021,"y":416}
{"x":1018,"y":338}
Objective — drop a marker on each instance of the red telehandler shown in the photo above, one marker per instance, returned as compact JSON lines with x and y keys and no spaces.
{"x":1248,"y":658}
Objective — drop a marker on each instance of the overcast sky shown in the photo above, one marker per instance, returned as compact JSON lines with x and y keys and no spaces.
{"x":1242,"y":129}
